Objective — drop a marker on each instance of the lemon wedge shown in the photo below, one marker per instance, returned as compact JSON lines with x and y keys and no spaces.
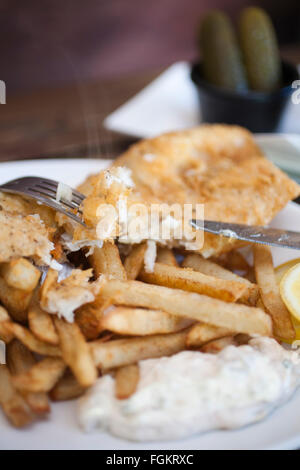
{"x":280,"y":272}
{"x":290,"y":290}
{"x":283,"y":268}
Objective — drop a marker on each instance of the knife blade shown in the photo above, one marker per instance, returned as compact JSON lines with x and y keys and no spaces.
{"x":251,"y":233}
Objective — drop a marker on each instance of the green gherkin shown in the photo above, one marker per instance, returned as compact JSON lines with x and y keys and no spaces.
{"x":260,"y":50}
{"x":222,"y":64}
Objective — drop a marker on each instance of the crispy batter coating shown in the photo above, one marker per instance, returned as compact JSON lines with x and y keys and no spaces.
{"x":24,"y":236}
{"x":217,"y":165}
{"x":20,"y":205}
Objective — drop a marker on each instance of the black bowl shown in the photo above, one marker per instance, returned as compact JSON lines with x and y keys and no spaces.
{"x":257,"y":111}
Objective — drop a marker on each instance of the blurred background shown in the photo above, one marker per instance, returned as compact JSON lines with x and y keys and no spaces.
{"x":49,"y":42}
{"x":68,"y":64}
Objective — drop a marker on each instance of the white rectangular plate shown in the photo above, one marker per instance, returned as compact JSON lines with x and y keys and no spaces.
{"x":170,"y":103}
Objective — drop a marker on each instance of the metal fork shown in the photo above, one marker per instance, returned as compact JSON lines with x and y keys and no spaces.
{"x":44,"y":192}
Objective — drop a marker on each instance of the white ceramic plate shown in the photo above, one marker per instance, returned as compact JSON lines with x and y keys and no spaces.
{"x":281,"y":430}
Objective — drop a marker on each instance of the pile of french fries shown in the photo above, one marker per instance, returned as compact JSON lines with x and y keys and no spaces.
{"x":201,"y":304}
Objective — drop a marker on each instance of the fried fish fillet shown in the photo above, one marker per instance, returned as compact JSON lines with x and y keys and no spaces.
{"x":219,"y":166}
{"x":24,"y":236}
{"x":22,"y":206}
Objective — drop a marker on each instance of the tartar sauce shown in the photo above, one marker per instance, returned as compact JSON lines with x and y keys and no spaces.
{"x":193,"y":392}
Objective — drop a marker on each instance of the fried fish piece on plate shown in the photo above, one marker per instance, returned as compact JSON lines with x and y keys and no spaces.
{"x":219,"y":166}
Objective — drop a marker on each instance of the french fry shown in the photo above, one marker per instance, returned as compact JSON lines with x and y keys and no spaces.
{"x":235,"y":261}
{"x":250,"y":275}
{"x":19,"y":361}
{"x":13,"y":404}
{"x":210,"y":268}
{"x":41,"y":324}
{"x":241,"y":339}
{"x":201,"y":334}
{"x":4,"y":314}
{"x":124,"y":352}
{"x":126,"y":381}
{"x":260,"y":304}
{"x":107,"y":336}
{"x":133,"y":321}
{"x":38,"y":402}
{"x":48,"y":284}
{"x":41,"y":377}
{"x":135,"y":261}
{"x":76,"y":352}
{"x":19,"y":358}
{"x":193,"y":281}
{"x":5,"y":336}
{"x":4,"y":317}
{"x":67,"y":388}
{"x":20,"y":274}
{"x":29,"y":340}
{"x":166,"y":256}
{"x":15,"y":300}
{"x":88,"y":318}
{"x":269,"y":290}
{"x":106,"y":260}
{"x":216,"y":346}
{"x":237,"y":317}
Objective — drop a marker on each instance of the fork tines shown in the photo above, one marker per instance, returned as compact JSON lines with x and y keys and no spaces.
{"x":46,"y":187}
{"x":44,"y":191}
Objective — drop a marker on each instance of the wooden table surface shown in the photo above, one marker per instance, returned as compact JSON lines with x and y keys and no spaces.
{"x":67,"y":121}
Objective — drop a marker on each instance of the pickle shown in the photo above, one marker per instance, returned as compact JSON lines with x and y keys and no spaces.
{"x":222,"y":64}
{"x":260,"y":50}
